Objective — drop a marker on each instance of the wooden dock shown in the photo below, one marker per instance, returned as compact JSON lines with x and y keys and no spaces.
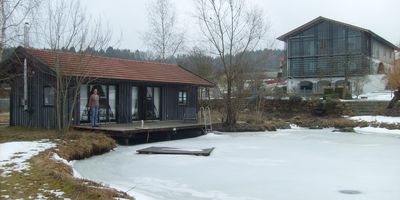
{"x":175,"y":151}
{"x":134,"y":129}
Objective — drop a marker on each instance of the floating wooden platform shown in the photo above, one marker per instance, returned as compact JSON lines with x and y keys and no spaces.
{"x":176,"y":151}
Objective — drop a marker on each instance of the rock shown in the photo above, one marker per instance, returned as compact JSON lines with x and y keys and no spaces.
{"x":345,"y":130}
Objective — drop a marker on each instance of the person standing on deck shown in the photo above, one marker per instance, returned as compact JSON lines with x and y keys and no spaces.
{"x":94,"y":107}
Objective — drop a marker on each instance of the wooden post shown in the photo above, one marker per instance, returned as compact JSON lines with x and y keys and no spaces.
{"x":169,"y":135}
{"x":126,"y":141}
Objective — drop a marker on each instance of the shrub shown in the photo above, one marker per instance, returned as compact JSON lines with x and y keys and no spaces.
{"x":295,"y":99}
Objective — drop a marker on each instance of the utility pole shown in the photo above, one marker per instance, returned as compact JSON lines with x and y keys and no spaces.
{"x":26,"y":44}
{"x":26,"y":35}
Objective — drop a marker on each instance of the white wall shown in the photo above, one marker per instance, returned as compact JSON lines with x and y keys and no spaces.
{"x":371,"y":83}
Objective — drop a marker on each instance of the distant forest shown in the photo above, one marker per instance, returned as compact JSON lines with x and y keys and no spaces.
{"x":195,"y":60}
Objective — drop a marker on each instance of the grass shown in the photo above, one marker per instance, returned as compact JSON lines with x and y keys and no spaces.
{"x":8,"y":134}
{"x":4,"y":118}
{"x":248,"y":121}
{"x":46,"y":175}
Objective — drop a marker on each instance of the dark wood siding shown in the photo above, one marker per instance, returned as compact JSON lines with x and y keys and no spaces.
{"x":174,"y":111}
{"x":38,"y":115}
{"x":41,"y":116}
{"x":124,"y":106}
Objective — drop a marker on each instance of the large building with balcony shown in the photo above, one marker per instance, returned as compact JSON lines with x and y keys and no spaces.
{"x":325,"y":53}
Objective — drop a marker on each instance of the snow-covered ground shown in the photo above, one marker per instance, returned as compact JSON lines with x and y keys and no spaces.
{"x":372,"y":130}
{"x":13,"y":155}
{"x":377,"y":118}
{"x":299,"y":164}
{"x":385,"y":95}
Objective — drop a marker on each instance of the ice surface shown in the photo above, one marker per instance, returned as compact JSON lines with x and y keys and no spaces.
{"x":13,"y":155}
{"x":377,"y":118}
{"x":298,"y":163}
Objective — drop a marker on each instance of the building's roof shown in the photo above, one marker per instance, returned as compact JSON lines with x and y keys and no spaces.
{"x":73,"y":64}
{"x":285,"y":36}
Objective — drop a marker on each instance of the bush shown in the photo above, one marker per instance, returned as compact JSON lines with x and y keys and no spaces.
{"x":336,"y":93}
{"x":295,"y":99}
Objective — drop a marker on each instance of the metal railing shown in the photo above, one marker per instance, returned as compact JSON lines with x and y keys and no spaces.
{"x":205,"y":117}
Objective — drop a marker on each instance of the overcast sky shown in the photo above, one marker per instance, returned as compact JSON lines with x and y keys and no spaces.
{"x":128,"y":17}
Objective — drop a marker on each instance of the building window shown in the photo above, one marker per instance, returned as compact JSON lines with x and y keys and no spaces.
{"x":49,"y":94}
{"x":182,"y":97}
{"x":294,"y":47}
{"x":309,"y":49}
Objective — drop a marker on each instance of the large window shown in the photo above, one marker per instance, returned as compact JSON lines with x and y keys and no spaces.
{"x":49,"y":94}
{"x":107,"y":100}
{"x":309,"y":47}
{"x":182,"y":97}
{"x":84,"y":112}
{"x":294,"y":45}
{"x":135,"y":103}
{"x":323,"y":46}
{"x":354,"y":41}
{"x":296,"y":68}
{"x":112,"y":103}
{"x":309,"y":66}
{"x":339,"y":45}
{"x":354,"y":44}
{"x":152,"y":103}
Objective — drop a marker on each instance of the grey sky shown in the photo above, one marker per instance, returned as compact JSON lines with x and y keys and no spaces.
{"x":128,"y":17}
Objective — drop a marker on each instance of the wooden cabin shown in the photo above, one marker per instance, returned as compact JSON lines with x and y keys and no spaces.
{"x":129,"y":90}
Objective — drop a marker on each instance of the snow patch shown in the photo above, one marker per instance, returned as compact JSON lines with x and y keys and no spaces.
{"x":385,"y":95}
{"x":377,"y":118}
{"x":373,"y":130}
{"x":57,"y":158}
{"x":13,"y":155}
{"x":57,"y":193}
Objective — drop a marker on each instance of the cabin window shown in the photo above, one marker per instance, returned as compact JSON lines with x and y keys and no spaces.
{"x":182,"y":97}
{"x":49,"y":93}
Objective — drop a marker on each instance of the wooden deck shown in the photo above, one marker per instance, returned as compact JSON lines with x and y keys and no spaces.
{"x":175,"y":151}
{"x":131,"y":130}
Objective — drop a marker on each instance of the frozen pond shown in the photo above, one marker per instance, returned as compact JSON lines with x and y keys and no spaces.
{"x":290,"y":164}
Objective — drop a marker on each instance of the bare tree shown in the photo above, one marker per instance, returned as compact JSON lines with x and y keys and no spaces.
{"x":67,"y":27}
{"x":163,"y":36}
{"x":13,"y":14}
{"x":358,"y":83}
{"x":231,"y":30}
{"x":198,"y":62}
{"x":394,"y":83}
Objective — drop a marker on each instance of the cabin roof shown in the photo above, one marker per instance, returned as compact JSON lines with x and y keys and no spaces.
{"x":319,"y":19}
{"x":73,"y":64}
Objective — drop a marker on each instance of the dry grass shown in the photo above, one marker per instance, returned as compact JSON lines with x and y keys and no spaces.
{"x":253,"y":122}
{"x":4,"y":117}
{"x":26,"y":134}
{"x":325,"y":122}
{"x":84,"y":145}
{"x":47,"y":174}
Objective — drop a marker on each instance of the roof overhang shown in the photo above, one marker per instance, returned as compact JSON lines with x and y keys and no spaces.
{"x":320,"y":19}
